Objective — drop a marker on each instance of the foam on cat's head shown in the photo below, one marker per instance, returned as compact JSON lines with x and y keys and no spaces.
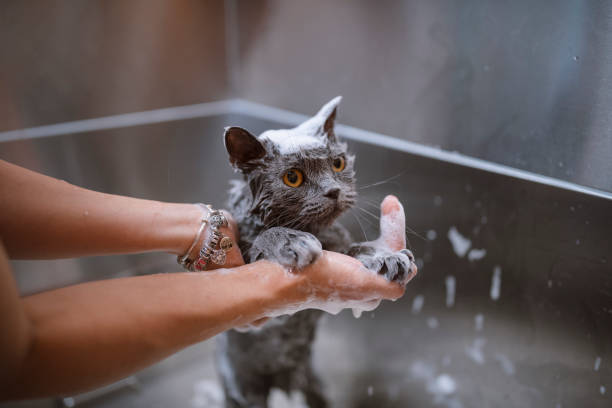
{"x":311,"y":134}
{"x":246,"y":150}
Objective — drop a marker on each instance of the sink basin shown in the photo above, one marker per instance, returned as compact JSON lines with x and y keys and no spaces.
{"x":512,"y":306}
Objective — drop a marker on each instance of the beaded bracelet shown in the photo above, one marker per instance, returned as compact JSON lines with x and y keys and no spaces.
{"x":184,"y":260}
{"x":215,"y":246}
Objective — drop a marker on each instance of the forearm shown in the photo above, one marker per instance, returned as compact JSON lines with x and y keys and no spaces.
{"x":42,"y":217}
{"x":94,"y":333}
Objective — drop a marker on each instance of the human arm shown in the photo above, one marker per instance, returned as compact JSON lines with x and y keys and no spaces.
{"x":75,"y":338}
{"x":79,"y":337}
{"x":42,"y":217}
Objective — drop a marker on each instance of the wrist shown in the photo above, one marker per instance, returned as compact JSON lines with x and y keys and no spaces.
{"x":284,"y":288}
{"x":184,"y":221}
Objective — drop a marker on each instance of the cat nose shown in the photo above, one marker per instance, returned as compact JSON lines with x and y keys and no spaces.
{"x":333,"y":193}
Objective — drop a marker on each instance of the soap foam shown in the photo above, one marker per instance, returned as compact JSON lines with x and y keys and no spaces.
{"x":475,"y":351}
{"x":460,"y":243}
{"x":479,"y":321}
{"x":506,"y":364}
{"x":417,"y":304}
{"x":450,"y":291}
{"x":496,"y":283}
{"x":597,"y":364}
{"x":476,"y":254}
{"x":289,"y":141}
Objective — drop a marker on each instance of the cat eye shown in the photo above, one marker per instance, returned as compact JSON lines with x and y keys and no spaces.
{"x":338,"y":164}
{"x":293,"y":178}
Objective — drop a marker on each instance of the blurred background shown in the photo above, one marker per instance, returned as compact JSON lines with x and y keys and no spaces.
{"x":489,"y":119}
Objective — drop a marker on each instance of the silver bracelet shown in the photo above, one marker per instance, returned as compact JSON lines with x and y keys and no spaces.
{"x":215,"y":246}
{"x":183,"y":260}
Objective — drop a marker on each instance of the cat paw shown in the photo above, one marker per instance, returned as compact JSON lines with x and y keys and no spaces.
{"x":394,"y":266}
{"x":288,"y":247}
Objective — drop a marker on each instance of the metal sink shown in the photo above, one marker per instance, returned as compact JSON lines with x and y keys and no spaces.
{"x":512,"y":306}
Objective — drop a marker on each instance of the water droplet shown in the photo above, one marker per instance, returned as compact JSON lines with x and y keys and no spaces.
{"x":484,"y":219}
{"x":597,"y":363}
{"x":431,"y":235}
{"x":602,"y":389}
{"x":572,"y":208}
{"x":479,"y":321}
{"x":433,"y":323}
{"x":437,"y":201}
{"x":450,"y":284}
{"x":577,"y":242}
{"x":576,"y":58}
{"x":417,"y":304}
{"x":549,"y":283}
{"x":496,"y":282}
{"x":370,"y":390}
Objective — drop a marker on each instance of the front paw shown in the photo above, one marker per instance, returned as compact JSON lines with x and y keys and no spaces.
{"x":288,"y":247}
{"x":394,"y":266}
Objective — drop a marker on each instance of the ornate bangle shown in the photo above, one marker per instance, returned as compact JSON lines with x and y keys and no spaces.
{"x":215,"y":245}
{"x":184,"y":260}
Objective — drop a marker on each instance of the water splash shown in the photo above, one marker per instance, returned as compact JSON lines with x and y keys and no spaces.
{"x":207,"y":393}
{"x":476,"y":254}
{"x":431,"y":234}
{"x":460,"y":243}
{"x":450,"y":291}
{"x":479,"y":322}
{"x":433,"y":323}
{"x":280,"y":399}
{"x":443,"y":384}
{"x":496,"y":283}
{"x":507,"y":365}
{"x":417,"y":304}
{"x":475,"y":351}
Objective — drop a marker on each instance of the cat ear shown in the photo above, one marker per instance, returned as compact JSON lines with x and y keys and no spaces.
{"x":243,"y":148}
{"x":328,"y":114}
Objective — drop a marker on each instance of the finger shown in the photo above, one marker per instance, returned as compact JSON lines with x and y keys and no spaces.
{"x":392,"y":224}
{"x":385,"y":289}
{"x":337,"y":272}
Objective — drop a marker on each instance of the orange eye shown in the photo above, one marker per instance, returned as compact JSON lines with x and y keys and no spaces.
{"x":293,"y":178}
{"x":338,"y":164}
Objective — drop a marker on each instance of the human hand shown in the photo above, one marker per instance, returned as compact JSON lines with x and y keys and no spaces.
{"x":349,"y":273}
{"x":336,"y":281}
{"x":233,"y":256}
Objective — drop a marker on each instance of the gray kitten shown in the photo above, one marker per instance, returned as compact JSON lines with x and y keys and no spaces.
{"x":296,"y":182}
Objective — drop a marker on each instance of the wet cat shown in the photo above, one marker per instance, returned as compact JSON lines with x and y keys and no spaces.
{"x":296,"y":182}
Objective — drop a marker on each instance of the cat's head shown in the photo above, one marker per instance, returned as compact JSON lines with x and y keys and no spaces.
{"x":301,"y":178}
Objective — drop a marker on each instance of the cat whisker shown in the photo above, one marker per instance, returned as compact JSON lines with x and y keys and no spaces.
{"x":368,"y":212}
{"x":408,"y":230}
{"x":378,"y":183}
{"x":360,"y":226}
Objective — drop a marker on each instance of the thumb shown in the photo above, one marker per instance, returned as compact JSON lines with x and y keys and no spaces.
{"x":392,"y":224}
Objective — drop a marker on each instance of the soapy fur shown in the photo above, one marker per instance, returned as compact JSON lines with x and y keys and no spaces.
{"x":291,"y":226}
